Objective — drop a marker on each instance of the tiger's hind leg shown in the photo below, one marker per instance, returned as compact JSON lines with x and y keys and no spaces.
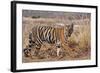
{"x":30,"y":52}
{"x":37,"y":49}
{"x":27,"y":52}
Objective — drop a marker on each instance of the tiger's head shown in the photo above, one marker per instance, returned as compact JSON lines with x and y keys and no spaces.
{"x":68,"y":30}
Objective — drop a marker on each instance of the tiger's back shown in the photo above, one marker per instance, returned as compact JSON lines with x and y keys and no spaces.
{"x":46,"y":34}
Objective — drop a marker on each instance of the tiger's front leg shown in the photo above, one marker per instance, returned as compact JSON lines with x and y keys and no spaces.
{"x":58,"y":51}
{"x":58,"y":45}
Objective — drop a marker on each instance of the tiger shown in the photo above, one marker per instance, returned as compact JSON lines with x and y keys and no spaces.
{"x":48,"y":34}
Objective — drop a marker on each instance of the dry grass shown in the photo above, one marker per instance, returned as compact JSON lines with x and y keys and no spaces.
{"x":77,"y":48}
{"x":81,"y":37}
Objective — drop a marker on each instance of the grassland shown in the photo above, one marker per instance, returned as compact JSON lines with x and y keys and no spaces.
{"x":78,"y":46}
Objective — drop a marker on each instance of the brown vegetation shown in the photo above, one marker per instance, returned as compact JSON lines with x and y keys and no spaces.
{"x":78,"y":46}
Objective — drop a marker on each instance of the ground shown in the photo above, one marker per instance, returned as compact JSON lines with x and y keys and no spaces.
{"x":76,"y":48}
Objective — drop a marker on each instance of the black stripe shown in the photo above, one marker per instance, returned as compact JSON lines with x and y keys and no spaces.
{"x":38,"y":36}
{"x":46,"y":33}
{"x":50,"y":35}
